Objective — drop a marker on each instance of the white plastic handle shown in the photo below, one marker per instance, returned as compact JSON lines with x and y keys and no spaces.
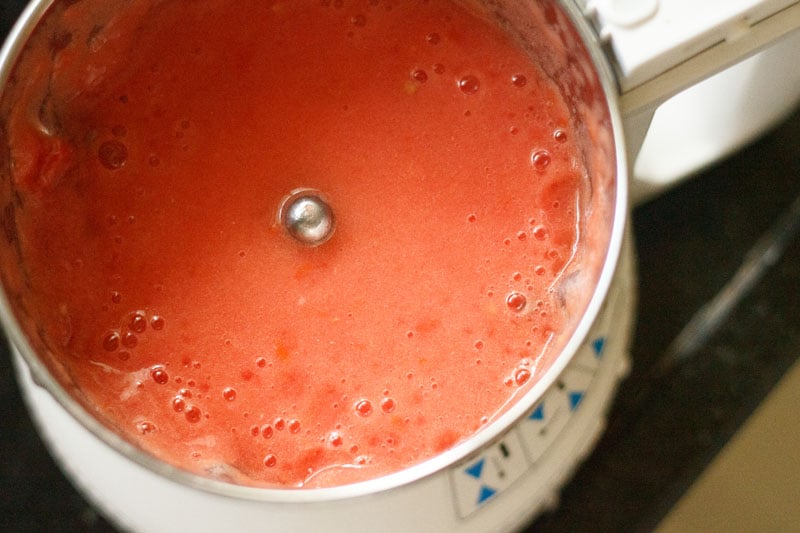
{"x":661,"y":48}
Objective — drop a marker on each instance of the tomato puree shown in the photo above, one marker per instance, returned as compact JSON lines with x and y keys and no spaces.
{"x":151,"y":145}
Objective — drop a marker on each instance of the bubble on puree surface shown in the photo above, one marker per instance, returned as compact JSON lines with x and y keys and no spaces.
{"x":149,"y":163}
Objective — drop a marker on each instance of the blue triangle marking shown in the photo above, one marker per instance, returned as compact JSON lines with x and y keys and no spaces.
{"x":538,"y":413}
{"x":575,"y":399}
{"x":485,"y":493}
{"x":598,"y":344}
{"x":476,"y":469}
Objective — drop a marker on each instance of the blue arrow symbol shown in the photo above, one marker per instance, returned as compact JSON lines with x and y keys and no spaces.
{"x":598,"y":345}
{"x":574,"y":399}
{"x":538,"y":413}
{"x":485,"y":493}
{"x":475,"y":470}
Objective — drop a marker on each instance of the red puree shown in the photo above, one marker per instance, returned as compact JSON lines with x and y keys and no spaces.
{"x":149,"y":167}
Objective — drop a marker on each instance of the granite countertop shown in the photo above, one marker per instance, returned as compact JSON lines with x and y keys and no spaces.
{"x":679,"y":407}
{"x":676,"y":409}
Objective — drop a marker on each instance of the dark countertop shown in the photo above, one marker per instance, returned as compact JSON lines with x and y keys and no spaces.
{"x":674,"y":414}
{"x":671,"y":416}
